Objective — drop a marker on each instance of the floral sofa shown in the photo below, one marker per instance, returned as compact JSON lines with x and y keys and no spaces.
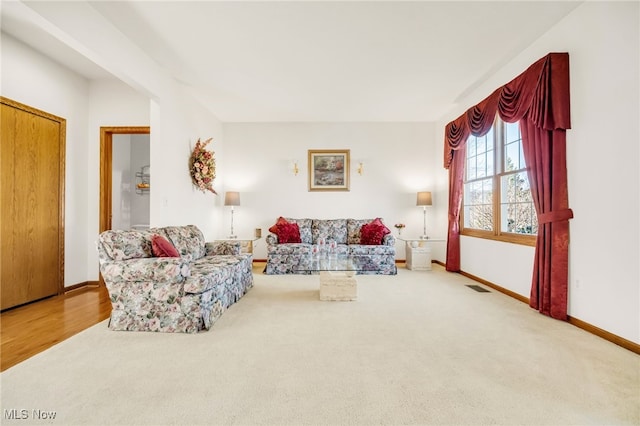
{"x":290,"y":257}
{"x":171,"y":294}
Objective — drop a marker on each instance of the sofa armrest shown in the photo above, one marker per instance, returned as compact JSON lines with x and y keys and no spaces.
{"x":389,"y":240}
{"x":156,"y":269}
{"x":271,"y":239}
{"x":222,"y":247}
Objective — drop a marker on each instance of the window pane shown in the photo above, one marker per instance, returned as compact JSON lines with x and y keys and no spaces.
{"x":471,"y":168}
{"x":490,"y":169}
{"x":487,"y":191}
{"x":481,"y":144}
{"x":489,"y":153}
{"x":480,"y":156}
{"x":511,"y":132}
{"x":485,"y":221}
{"x":512,"y":157}
{"x":478,"y":204}
{"x":471,"y":146}
{"x":516,"y":205}
{"x":482,"y":165}
{"x":489,"y":139}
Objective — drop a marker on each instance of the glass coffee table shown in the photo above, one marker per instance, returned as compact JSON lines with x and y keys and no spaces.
{"x":337,"y":274}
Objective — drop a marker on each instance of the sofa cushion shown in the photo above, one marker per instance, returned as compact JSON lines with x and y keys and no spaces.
{"x":213,"y":248}
{"x":290,"y":249}
{"x":163,"y":248}
{"x":372,"y":250}
{"x":188,"y":240}
{"x":274,"y":228}
{"x":372,"y":233}
{"x":148,"y":270}
{"x":288,"y":233}
{"x":123,"y":245}
{"x":207,"y":274}
{"x":305,"y":229}
{"x":329,"y":229}
{"x":353,"y":229}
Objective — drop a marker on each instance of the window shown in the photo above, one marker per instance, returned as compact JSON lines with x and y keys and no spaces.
{"x":497,"y":201}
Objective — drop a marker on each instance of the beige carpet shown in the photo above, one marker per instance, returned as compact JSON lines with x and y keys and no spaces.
{"x":419,"y":348}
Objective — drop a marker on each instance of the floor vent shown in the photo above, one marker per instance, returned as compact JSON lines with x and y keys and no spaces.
{"x":478,"y":288}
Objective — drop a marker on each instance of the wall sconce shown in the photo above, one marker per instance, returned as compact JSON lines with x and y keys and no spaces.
{"x":295,"y":168}
{"x":360,"y":168}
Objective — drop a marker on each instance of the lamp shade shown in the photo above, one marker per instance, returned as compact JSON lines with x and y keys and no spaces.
{"x":232,"y":198}
{"x":424,"y":199}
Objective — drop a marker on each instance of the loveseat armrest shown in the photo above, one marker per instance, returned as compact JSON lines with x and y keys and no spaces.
{"x":389,"y":240}
{"x":271,"y":239}
{"x":156,"y":269}
{"x":214,"y":248}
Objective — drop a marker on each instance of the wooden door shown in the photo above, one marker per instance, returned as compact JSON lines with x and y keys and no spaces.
{"x":31,"y":204}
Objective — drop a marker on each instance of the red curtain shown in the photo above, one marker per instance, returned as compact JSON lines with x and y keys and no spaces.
{"x":539,"y":99}
{"x":456,"y":177}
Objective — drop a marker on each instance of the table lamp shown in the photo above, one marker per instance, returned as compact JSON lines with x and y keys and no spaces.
{"x":232,"y":199}
{"x":424,"y":200}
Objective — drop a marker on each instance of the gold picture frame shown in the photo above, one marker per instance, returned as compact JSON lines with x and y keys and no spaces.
{"x":329,"y":169}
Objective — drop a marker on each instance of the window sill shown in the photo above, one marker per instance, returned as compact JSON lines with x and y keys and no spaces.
{"x":525,"y":240}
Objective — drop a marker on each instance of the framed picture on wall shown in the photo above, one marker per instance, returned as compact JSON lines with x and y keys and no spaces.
{"x":329,"y":169}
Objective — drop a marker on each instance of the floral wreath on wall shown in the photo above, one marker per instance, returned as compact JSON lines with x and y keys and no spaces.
{"x":202,"y":166}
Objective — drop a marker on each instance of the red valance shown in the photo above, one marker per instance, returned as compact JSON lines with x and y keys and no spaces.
{"x":541,"y":93}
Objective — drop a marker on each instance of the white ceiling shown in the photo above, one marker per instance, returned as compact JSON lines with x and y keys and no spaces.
{"x":272,"y":61}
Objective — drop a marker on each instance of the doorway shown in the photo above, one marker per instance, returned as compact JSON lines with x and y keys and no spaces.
{"x":106,"y":170}
{"x":131,"y":173}
{"x":106,"y":174}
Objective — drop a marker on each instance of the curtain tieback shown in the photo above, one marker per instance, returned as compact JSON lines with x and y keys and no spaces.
{"x":555,"y":216}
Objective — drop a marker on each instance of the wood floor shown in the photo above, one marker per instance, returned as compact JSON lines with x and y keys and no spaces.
{"x":30,"y":329}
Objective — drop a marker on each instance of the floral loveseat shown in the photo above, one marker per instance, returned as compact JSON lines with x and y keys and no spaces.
{"x":287,"y":256}
{"x":171,"y":294}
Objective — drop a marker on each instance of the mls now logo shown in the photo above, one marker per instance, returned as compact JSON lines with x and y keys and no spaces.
{"x":22,"y":414}
{"x":15,"y":414}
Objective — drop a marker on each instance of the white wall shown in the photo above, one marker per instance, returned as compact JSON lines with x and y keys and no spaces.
{"x":398,"y":162}
{"x":111,"y":104}
{"x":177,"y":123}
{"x":158,"y":100}
{"x":32,"y":79}
{"x":602,"y":39}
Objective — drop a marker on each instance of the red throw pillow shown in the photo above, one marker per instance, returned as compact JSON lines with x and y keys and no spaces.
{"x":373,"y":233}
{"x":274,"y":229}
{"x":288,"y":233}
{"x":163,"y":248}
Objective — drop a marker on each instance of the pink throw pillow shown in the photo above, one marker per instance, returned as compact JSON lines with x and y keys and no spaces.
{"x":163,"y":248}
{"x":373,"y":233}
{"x":288,"y":233}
